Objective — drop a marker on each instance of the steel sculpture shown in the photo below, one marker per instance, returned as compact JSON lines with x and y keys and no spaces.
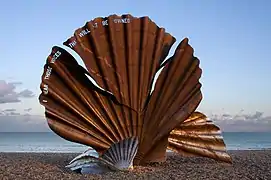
{"x":121,"y":118}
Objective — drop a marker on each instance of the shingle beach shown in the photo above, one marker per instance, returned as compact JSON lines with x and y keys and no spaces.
{"x":246,"y":165}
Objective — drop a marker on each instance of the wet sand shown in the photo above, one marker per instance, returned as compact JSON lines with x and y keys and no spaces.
{"x":246,"y":165}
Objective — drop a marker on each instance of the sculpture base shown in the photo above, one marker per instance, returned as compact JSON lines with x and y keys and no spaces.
{"x":156,"y":154}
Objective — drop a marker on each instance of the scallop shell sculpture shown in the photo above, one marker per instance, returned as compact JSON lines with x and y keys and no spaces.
{"x":121,"y":118}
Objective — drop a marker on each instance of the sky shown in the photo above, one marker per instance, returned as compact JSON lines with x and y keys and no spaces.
{"x":231,"y":38}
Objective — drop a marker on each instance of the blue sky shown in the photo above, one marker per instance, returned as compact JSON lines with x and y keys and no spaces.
{"x":231,"y":38}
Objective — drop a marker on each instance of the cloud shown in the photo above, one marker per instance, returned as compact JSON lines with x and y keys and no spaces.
{"x":9,"y":110}
{"x":12,"y":121}
{"x":26,"y":93}
{"x":243,"y":122}
{"x":28,"y":109}
{"x":9,"y":95}
{"x":15,"y":122}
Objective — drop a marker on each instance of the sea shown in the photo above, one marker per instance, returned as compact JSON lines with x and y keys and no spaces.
{"x":50,"y":142}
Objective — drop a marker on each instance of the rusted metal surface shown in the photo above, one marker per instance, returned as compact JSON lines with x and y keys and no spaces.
{"x":122,"y":54}
{"x":198,"y":136}
{"x":75,"y":108}
{"x":176,"y":95}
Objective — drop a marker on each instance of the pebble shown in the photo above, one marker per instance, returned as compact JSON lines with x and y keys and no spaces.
{"x":246,"y":165}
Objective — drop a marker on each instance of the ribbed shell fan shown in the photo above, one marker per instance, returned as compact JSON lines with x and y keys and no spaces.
{"x":123,"y":54}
